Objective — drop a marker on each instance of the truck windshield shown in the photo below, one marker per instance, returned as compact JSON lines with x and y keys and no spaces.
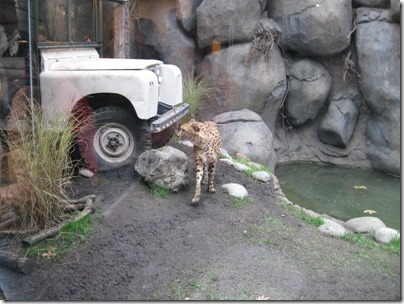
{"x":66,"y":21}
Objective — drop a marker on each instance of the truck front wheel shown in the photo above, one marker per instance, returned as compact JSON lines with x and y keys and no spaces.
{"x":111,"y":138}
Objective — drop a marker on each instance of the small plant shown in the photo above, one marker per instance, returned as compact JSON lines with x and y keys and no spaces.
{"x":367,"y":240}
{"x":68,"y":238}
{"x":195,"y":89}
{"x":314,"y":221}
{"x":159,"y":191}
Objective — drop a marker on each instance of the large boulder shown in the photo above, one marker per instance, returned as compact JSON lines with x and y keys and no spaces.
{"x":395,"y":8}
{"x":371,"y":3}
{"x":378,"y":47}
{"x":227,"y":21}
{"x":337,"y":125}
{"x":186,"y":13}
{"x":245,"y":132}
{"x":167,"y":167}
{"x":309,"y":87}
{"x":313,"y":27}
{"x":166,"y":42}
{"x":247,"y":79}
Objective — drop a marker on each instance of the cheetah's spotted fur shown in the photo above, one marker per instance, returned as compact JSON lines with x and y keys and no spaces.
{"x":206,"y":139}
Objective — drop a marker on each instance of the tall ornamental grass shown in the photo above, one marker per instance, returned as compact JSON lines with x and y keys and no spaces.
{"x":40,"y":151}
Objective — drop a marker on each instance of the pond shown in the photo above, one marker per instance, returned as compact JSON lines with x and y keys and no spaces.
{"x":342,"y":193}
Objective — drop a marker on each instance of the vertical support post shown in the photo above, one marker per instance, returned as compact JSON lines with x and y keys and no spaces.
{"x":122,"y":31}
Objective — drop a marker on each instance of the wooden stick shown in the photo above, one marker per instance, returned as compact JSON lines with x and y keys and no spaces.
{"x":81,"y":200}
{"x":53,"y":230}
{"x":73,"y":207}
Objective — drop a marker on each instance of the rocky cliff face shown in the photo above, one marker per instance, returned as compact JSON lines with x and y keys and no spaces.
{"x":323,"y":75}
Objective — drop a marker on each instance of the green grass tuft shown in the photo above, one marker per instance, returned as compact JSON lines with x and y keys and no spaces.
{"x":195,"y":90}
{"x":241,"y":202}
{"x":159,"y":191}
{"x":69,"y":237}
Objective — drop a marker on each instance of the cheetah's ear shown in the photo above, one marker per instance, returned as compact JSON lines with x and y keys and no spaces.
{"x":195,"y":126}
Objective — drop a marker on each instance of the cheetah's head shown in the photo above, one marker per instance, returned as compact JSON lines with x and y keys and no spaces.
{"x":189,"y":130}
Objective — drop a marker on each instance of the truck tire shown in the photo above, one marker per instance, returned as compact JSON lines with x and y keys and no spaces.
{"x":160,"y":139}
{"x":112,"y":138}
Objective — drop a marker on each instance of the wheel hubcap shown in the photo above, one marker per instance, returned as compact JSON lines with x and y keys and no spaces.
{"x":113,"y":143}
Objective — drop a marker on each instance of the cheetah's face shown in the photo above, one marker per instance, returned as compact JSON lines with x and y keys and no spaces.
{"x":189,"y":130}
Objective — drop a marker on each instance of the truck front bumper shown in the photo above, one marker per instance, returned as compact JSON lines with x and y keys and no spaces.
{"x":168,"y":118}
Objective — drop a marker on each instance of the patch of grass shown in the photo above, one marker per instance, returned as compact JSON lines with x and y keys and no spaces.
{"x":300,"y":214}
{"x":367,"y":240}
{"x":69,"y":237}
{"x":195,"y":90}
{"x":159,"y":191}
{"x":241,"y":202}
{"x":253,"y":167}
{"x":175,"y":138}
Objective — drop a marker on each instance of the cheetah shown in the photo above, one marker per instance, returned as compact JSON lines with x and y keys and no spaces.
{"x":206,"y":139}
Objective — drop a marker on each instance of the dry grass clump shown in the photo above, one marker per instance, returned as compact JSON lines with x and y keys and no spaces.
{"x":40,"y":151}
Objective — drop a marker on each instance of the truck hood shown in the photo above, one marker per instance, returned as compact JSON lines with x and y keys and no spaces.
{"x":93,"y":64}
{"x":88,"y":59}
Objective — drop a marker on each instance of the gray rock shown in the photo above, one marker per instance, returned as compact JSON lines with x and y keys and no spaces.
{"x":258,"y":85}
{"x":378,"y":47}
{"x":338,"y":124}
{"x":167,"y":43}
{"x":333,"y":228}
{"x":313,"y":27}
{"x":225,"y":154}
{"x":395,"y":10}
{"x":386,"y":235}
{"x":235,"y":190}
{"x":227,"y":21}
{"x":364,"y":224}
{"x":166,"y":167}
{"x":262,"y":176}
{"x":244,"y":131}
{"x":309,"y":87}
{"x":371,"y":3}
{"x":228,"y":161}
{"x":240,"y":167}
{"x":186,"y":13}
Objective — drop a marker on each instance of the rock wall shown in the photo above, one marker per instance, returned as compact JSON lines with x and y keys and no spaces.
{"x":323,"y":75}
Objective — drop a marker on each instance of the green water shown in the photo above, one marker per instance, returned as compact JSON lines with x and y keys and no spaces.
{"x":331,"y":190}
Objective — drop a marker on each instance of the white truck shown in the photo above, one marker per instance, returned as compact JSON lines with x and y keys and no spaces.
{"x":126,"y":105}
{"x":126,"y":101}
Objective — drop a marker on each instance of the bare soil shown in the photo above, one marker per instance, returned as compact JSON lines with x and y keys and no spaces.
{"x":149,"y":248}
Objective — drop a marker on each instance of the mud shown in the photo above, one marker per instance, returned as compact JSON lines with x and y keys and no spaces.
{"x":149,"y":248}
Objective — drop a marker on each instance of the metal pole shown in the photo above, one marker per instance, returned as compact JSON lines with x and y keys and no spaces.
{"x":31,"y":82}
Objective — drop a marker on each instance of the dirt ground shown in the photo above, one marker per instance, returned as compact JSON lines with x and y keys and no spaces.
{"x":148,"y":248}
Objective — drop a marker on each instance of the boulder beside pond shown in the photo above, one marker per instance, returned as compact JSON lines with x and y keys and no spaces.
{"x":338,"y":124}
{"x":245,"y":132}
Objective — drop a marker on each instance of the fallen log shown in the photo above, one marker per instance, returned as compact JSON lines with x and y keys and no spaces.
{"x":73,"y":207}
{"x":31,"y":240}
{"x":15,"y":262}
{"x":81,"y":200}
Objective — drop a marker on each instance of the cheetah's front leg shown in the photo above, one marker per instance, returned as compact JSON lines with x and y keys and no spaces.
{"x":212,"y":170}
{"x":199,"y":173}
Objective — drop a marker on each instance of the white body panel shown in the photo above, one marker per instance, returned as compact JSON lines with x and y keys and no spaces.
{"x":71,"y":74}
